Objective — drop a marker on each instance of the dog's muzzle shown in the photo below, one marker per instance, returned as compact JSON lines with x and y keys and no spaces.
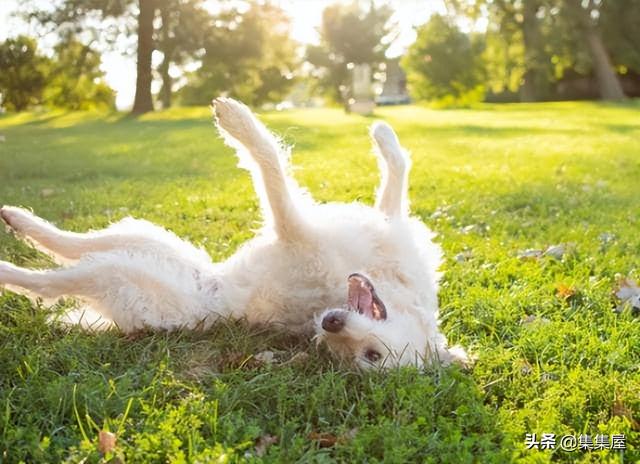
{"x":334,"y":321}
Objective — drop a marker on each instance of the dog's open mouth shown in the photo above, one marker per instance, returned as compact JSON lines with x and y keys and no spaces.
{"x":363,"y":299}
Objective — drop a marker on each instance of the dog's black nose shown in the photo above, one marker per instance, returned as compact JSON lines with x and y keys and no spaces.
{"x":334,"y":321}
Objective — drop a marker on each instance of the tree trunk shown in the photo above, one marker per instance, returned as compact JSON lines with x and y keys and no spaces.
{"x":167,"y":83}
{"x":533,"y":87}
{"x":166,"y":49}
{"x":609,"y":85}
{"x":143,"y":102}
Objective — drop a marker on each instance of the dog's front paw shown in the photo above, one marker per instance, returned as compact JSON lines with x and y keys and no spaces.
{"x":235,"y":118}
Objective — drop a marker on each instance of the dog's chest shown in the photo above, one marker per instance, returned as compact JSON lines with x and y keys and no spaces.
{"x":294,"y":298}
{"x":290,"y":286}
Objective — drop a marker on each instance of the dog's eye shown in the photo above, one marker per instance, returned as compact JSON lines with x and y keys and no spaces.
{"x":372,"y":355}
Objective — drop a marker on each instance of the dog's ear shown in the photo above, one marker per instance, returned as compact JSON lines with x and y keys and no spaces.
{"x":363,"y":298}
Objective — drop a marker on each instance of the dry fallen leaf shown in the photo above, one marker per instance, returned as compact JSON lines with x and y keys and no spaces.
{"x":106,"y":441}
{"x":325,"y":440}
{"x":529,"y":253}
{"x":628,"y":292}
{"x":264,"y":442}
{"x":441,"y":212}
{"x":530,"y":319}
{"x":480,"y":229}
{"x":47,"y":192}
{"x":621,"y":410}
{"x":266,"y":357}
{"x":565,"y":292}
{"x":606,"y":237}
{"x":556,"y":251}
{"x":464,"y":256}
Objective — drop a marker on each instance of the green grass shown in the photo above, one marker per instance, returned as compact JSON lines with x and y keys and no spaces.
{"x":491,"y":182}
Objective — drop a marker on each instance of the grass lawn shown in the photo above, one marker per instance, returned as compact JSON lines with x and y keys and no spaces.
{"x":553,"y":356}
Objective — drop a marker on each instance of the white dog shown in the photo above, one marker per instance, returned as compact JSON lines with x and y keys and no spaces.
{"x":305,"y":269}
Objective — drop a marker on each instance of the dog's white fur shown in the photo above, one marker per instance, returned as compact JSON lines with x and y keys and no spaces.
{"x":294,"y":271}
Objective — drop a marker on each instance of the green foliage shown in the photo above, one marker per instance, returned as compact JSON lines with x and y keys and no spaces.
{"x":532,"y":45}
{"x":75,"y":79}
{"x":71,"y":79}
{"x":183,"y":28}
{"x":504,"y":62}
{"x":490,"y":181}
{"x":444,"y":64}
{"x":69,"y":17}
{"x":23,"y":73}
{"x":108,"y":21}
{"x":248,"y":55}
{"x":350,"y":34}
{"x":619,"y":25}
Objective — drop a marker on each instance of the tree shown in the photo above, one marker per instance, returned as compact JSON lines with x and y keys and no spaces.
{"x":540,"y":41}
{"x":535,"y":82}
{"x":618,"y":25}
{"x":248,"y":55}
{"x":444,"y":62}
{"x":178,"y":35}
{"x":516,"y":42}
{"x":608,"y":83}
{"x":142,"y":102}
{"x":24,"y":73}
{"x":75,"y":79}
{"x":350,"y":34}
{"x":182,"y":32}
{"x":69,"y":14}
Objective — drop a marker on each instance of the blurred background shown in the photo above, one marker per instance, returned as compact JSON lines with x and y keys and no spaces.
{"x":141,"y":55}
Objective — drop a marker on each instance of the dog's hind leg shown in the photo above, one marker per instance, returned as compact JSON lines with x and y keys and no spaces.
{"x":130,"y":291}
{"x":47,"y":284}
{"x":278,"y":193}
{"x":392,"y":197}
{"x":65,"y":246}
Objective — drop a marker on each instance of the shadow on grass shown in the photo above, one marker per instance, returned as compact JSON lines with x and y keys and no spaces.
{"x":130,"y":149}
{"x":623,"y":128}
{"x":541,"y":198}
{"x":474,"y":130}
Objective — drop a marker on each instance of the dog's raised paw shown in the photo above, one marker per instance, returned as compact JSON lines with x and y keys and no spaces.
{"x":234,"y":118}
{"x":383,"y":134}
{"x":389,"y":146}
